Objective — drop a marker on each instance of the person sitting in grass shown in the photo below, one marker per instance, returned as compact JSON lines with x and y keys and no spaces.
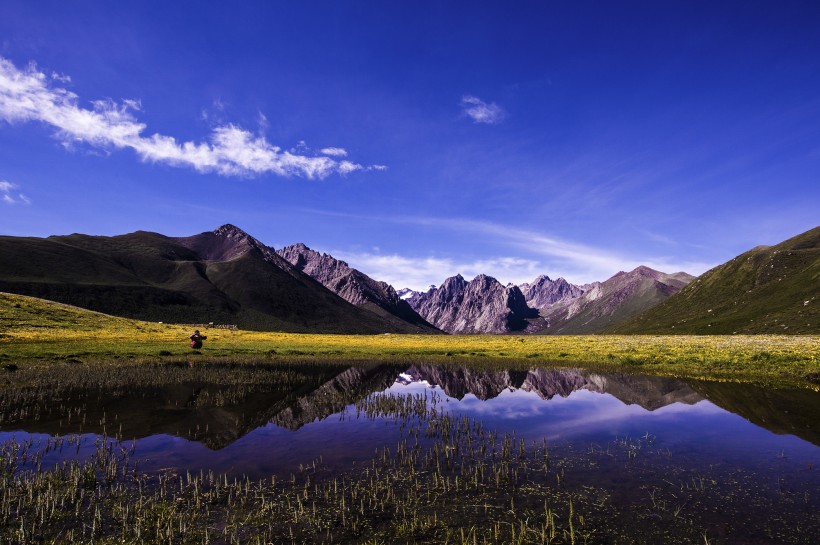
{"x":196,"y":340}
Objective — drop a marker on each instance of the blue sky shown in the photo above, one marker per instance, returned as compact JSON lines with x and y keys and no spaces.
{"x":419,"y":140}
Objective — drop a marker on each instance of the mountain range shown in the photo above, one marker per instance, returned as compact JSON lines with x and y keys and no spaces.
{"x":543,"y":292}
{"x":544,"y":306}
{"x":227,"y":276}
{"x":482,"y":305}
{"x":223,"y":276}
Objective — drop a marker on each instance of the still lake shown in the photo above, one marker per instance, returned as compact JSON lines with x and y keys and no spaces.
{"x":740,"y":461}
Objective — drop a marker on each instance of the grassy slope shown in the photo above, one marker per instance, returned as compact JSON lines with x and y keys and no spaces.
{"x":33,"y":330}
{"x":765,"y":290}
{"x":592,"y":319}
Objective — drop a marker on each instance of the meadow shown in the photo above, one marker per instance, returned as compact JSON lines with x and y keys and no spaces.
{"x":34,"y":332}
{"x":449,"y":479}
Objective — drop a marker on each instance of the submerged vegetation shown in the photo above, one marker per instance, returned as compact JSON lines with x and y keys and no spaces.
{"x":34,"y":332}
{"x":449,"y":479}
{"x":443,"y":477}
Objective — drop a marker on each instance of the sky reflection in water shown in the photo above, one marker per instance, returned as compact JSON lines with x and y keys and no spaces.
{"x":696,"y":432}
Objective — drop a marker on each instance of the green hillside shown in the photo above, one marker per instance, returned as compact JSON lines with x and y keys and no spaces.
{"x":35,"y":317}
{"x":769,"y":289}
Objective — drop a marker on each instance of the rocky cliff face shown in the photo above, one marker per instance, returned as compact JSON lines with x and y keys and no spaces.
{"x":482,"y":305}
{"x":353,"y":285}
{"x":608,"y":303}
{"x":544,"y":292}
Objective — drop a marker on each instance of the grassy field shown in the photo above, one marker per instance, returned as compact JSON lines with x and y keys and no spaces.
{"x":461,"y":484}
{"x":38,"y":332}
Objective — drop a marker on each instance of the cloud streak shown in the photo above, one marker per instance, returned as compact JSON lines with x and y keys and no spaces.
{"x":482,"y":112}
{"x":420,"y":272}
{"x":579,"y":262}
{"x":9,"y":196}
{"x":30,"y":95}
{"x":538,"y":253}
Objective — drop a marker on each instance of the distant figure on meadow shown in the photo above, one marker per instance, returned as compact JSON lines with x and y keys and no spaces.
{"x":196,"y":339}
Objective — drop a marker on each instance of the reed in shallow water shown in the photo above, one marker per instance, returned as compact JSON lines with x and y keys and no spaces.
{"x":449,"y":479}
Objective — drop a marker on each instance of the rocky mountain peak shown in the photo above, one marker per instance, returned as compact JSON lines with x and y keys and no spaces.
{"x":485,"y":281}
{"x":229,"y":242}
{"x":300,"y":246}
{"x":643,"y":270}
{"x":311,"y":261}
{"x":544,"y":292}
{"x":482,"y":305}
{"x":239,"y":243}
{"x":237,"y":235}
{"x":454,"y":282}
{"x":542,"y":279}
{"x":230,"y":231}
{"x":351,"y":284}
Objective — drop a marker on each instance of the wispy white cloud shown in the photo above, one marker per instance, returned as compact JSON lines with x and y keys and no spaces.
{"x":660,"y":238}
{"x":334,"y":152}
{"x":60,"y":77}
{"x":10,"y":195}
{"x":420,"y":272}
{"x":262,"y":121}
{"x":482,"y":112}
{"x":30,"y":95}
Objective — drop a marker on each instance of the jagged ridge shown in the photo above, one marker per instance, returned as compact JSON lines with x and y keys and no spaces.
{"x":544,"y":292}
{"x":482,"y":305}
{"x":353,"y":285}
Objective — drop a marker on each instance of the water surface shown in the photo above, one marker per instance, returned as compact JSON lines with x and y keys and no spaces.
{"x":630,"y":436}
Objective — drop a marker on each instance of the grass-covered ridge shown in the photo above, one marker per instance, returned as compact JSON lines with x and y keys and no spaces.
{"x":769,"y":289}
{"x":34,"y":331}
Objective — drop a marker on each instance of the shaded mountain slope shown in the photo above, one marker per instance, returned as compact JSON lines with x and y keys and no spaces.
{"x":225,"y":276}
{"x":611,"y":302}
{"x":356,"y":287}
{"x":482,"y":305}
{"x":769,"y":289}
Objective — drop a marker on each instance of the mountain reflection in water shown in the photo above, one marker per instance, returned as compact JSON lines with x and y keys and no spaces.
{"x":272,"y":428}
